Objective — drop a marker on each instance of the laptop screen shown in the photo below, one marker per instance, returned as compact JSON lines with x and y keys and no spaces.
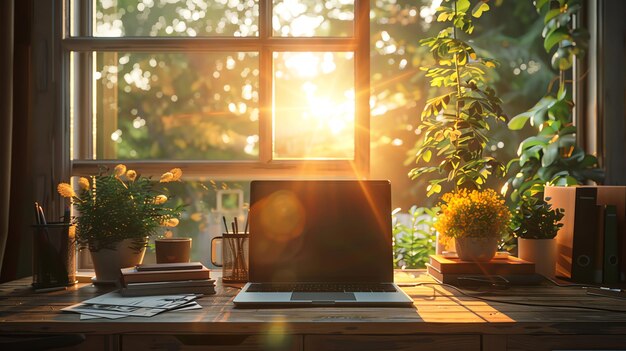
{"x":320,"y":231}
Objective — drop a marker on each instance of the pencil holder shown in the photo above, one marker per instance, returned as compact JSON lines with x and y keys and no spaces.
{"x":54,"y":253}
{"x":234,"y":260}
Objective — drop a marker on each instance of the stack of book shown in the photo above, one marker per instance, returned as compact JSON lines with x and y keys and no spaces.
{"x":504,"y":271}
{"x":166,"y":279}
{"x":592,"y":241}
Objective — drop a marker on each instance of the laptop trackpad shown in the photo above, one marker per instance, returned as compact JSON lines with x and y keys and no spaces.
{"x":322,"y":296}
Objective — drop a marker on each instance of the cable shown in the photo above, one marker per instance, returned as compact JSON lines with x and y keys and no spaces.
{"x":571,"y":285}
{"x":519,"y":303}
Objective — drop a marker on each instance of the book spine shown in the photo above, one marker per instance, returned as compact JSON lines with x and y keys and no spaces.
{"x":509,"y":266}
{"x":164,"y":276}
{"x":610,"y":274}
{"x":585,"y":238}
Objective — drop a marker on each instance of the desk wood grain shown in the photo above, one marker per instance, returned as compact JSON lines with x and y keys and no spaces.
{"x":437,"y":310}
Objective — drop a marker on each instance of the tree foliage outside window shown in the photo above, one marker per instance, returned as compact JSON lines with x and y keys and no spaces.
{"x":190,"y":112}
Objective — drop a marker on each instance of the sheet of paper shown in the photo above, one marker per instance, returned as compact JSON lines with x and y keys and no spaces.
{"x":113,"y":309}
{"x":113,"y":304}
{"x":190,"y":306}
{"x":93,"y":315}
{"x":159,"y":301}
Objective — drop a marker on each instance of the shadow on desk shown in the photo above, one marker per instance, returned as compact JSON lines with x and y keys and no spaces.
{"x":39,"y":341}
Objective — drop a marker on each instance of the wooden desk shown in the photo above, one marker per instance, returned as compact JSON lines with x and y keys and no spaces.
{"x":442,"y":319}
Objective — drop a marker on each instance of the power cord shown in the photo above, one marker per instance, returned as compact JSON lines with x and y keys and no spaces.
{"x":474,"y":296}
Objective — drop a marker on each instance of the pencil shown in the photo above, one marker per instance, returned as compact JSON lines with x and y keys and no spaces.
{"x":225,"y":225}
{"x":37,"y":216}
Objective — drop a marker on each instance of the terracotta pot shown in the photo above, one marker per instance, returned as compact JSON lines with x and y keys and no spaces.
{"x":476,"y":249}
{"x":540,"y":251}
{"x":107,"y":263}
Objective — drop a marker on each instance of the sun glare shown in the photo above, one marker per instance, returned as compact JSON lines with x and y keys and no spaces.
{"x":314,"y":105}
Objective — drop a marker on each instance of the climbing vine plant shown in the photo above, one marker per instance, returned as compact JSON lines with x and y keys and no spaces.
{"x":455,"y":123}
{"x":552,"y":156}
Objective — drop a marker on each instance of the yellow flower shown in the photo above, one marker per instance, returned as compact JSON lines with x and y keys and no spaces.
{"x":172,"y":222}
{"x":196,"y":217}
{"x":167,"y":177}
{"x":474,"y":214}
{"x":160,"y":199}
{"x":66,"y":190}
{"x":84,"y":183}
{"x":176,"y":173}
{"x":131,"y":175}
{"x":119,"y":170}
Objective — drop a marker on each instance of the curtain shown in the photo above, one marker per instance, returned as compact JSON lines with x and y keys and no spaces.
{"x":16,"y":204}
{"x":6,"y":117}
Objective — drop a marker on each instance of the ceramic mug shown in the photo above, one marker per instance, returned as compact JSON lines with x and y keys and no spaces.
{"x":173,"y":250}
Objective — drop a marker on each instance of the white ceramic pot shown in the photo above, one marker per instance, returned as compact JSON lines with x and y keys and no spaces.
{"x":476,"y":249}
{"x":540,"y":251}
{"x":107,"y":263}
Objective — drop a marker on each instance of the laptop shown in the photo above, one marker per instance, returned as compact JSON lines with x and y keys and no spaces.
{"x":320,"y":243}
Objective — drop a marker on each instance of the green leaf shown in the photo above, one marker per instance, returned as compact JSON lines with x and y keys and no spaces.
{"x":566,"y":141}
{"x":539,"y":117}
{"x":530,"y":154}
{"x":562,"y":59}
{"x":539,"y":4}
{"x":427,"y":155}
{"x":562,"y":93}
{"x":518,"y":122}
{"x":588,"y":161}
{"x":442,"y":17}
{"x":550,"y":154}
{"x":433,"y":189}
{"x":530,"y":142}
{"x":462,"y":5}
{"x":479,"y":8}
{"x":551,"y":14}
{"x":556,"y":36}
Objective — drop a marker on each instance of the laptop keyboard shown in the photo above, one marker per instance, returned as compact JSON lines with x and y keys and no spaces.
{"x":322,"y":287}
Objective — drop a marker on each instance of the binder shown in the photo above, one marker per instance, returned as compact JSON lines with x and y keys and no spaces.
{"x":577,"y":240}
{"x":610,"y":273}
{"x":616,"y":195}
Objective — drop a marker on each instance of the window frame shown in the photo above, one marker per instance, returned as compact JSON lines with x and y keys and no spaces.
{"x":84,"y":45}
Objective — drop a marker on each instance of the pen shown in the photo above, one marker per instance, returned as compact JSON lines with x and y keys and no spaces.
{"x":236,"y":226}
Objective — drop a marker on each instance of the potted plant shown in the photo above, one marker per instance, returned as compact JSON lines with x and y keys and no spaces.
{"x":117,"y":212}
{"x":476,"y":219}
{"x":535,"y":224}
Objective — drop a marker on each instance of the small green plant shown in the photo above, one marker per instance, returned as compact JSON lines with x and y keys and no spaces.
{"x":415,"y":241}
{"x":121,"y":205}
{"x":552,"y":156}
{"x":534,"y":218}
{"x":455,"y":123}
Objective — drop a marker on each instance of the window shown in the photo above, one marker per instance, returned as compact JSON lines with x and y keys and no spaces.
{"x":226,"y":89}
